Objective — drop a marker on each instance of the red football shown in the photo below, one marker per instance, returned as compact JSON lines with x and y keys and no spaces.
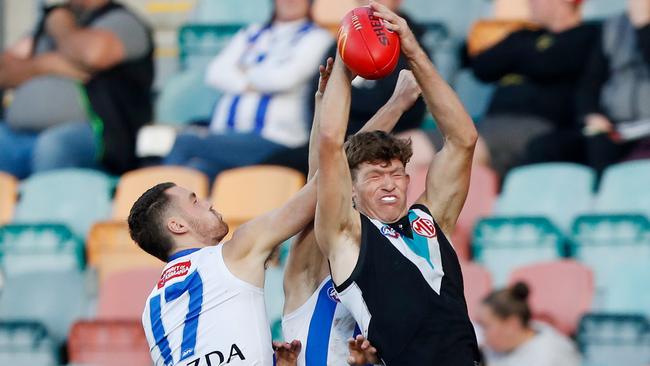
{"x":366,"y":46}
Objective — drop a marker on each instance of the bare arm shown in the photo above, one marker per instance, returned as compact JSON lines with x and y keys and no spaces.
{"x":448,"y":179}
{"x":15,"y":71}
{"x":93,"y":49}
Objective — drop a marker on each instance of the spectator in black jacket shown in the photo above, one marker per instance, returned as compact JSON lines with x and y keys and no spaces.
{"x":614,"y":98}
{"x":531,"y":117}
{"x":368,"y":96}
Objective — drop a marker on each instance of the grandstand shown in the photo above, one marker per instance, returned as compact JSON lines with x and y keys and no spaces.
{"x":73,"y":283}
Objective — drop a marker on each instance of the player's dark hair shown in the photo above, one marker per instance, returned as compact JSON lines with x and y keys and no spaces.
{"x":146,"y":221}
{"x":376,"y":147}
{"x":511,"y":301}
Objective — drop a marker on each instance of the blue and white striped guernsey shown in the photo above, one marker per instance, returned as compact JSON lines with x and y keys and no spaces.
{"x":323,"y":325}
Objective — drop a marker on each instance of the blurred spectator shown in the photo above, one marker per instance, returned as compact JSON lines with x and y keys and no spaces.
{"x":368,"y":96}
{"x":511,"y":339}
{"x":531,"y":117}
{"x":614,"y":98}
{"x":264,"y":73}
{"x":82,"y":90}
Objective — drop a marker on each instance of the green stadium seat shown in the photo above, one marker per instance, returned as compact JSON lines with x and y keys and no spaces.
{"x":474,"y":94}
{"x":617,"y":248}
{"x":26,"y":248}
{"x":74,"y":197}
{"x":614,"y":339}
{"x":559,"y":191}
{"x":26,"y":343}
{"x":54,"y":298}
{"x":624,"y":189}
{"x":457,"y":14}
{"x":200,"y":43}
{"x":599,"y":9}
{"x":502,"y":244}
{"x":229,"y":11}
{"x":185,"y":98}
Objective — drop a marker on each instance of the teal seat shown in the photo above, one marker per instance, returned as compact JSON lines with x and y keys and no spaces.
{"x":200,"y":43}
{"x":54,"y":298}
{"x":231,"y":11}
{"x":474,"y":94}
{"x":614,"y":339}
{"x":26,"y":343}
{"x":559,"y":191}
{"x":74,"y":197}
{"x":624,"y":189}
{"x":599,"y":9}
{"x":502,"y":244}
{"x":26,"y":248}
{"x":617,"y":248}
{"x":185,"y":98}
{"x":457,"y":14}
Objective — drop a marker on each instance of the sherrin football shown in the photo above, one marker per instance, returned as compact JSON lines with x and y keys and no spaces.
{"x":366,"y":46}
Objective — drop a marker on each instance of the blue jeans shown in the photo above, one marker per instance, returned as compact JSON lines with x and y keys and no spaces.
{"x":214,"y":153}
{"x":63,"y":146}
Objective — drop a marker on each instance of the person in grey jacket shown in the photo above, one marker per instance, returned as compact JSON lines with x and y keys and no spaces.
{"x":614,"y":95}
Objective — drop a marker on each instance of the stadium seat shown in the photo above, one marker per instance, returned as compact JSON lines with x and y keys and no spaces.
{"x":474,"y":94}
{"x":560,"y":291}
{"x":458,"y":15}
{"x":134,"y":183}
{"x":198,"y":44}
{"x":617,"y":248}
{"x":185,"y":98}
{"x":614,"y":339}
{"x":245,"y":193}
{"x":559,"y":191}
{"x":328,"y":13}
{"x":123,"y":294}
{"x":108,"y":343}
{"x":478,"y":284}
{"x":231,"y":11}
{"x":25,"y":343}
{"x":624,"y":189}
{"x":74,"y":197}
{"x":8,"y":196}
{"x":54,"y":298}
{"x":26,"y":248}
{"x":502,"y":244}
{"x":599,"y":9}
{"x":480,"y":200}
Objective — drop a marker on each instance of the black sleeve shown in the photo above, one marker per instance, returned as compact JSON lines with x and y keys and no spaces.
{"x":643,"y":36}
{"x":593,"y":78}
{"x":564,"y":58}
{"x":500,"y":60}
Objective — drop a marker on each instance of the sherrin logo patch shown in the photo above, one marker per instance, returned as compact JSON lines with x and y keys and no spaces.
{"x":177,"y":270}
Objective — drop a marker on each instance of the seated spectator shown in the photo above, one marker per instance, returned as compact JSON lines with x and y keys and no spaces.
{"x":82,"y":90}
{"x":367,"y":97}
{"x":614,"y":98}
{"x":510,"y":338}
{"x":531,"y":117}
{"x":264,"y":74}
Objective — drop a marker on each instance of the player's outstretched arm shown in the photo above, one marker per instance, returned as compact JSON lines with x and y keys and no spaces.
{"x":335,"y":214}
{"x":449,"y":173}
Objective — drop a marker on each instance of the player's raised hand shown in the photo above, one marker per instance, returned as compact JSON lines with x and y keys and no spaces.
{"x":407,"y":91}
{"x":286,"y":354}
{"x":361,"y":352}
{"x":397,"y":24}
{"x":325,"y":72}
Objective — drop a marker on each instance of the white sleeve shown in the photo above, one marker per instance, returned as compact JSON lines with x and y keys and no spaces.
{"x":223,"y":73}
{"x":308,"y":53}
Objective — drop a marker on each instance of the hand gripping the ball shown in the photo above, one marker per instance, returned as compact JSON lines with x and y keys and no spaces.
{"x":409,"y":44}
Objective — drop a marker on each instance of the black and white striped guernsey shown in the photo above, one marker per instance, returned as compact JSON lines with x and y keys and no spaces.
{"x":406,"y":293}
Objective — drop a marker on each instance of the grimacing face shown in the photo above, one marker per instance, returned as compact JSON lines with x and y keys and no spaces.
{"x":201,"y":219}
{"x":379,"y":190}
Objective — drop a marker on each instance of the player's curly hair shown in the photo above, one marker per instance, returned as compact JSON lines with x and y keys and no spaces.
{"x":376,"y":147}
{"x":146,"y":221}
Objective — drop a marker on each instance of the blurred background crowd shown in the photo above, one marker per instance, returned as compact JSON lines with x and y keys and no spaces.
{"x":103,"y":99}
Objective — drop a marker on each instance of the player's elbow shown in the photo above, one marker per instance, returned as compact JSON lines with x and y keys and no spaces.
{"x":103,"y":54}
{"x":328,"y":142}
